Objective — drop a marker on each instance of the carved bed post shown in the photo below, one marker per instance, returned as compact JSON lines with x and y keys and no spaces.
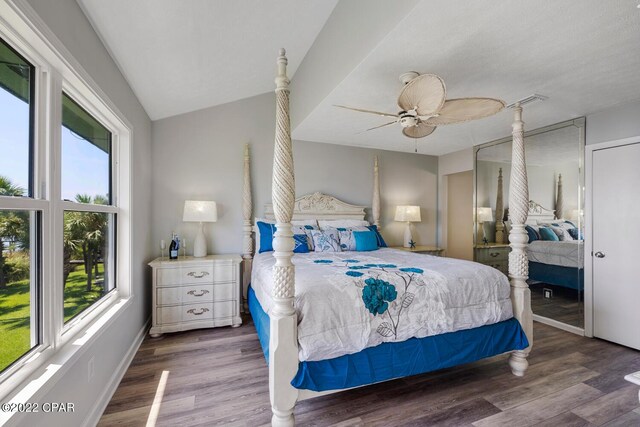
{"x":247,"y":212}
{"x":499,"y":211}
{"x":283,"y":343}
{"x":375,"y":203}
{"x":518,"y":262}
{"x":559,"y":199}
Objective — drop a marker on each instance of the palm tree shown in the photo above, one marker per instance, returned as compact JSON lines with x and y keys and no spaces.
{"x":86,"y":231}
{"x":12,"y":225}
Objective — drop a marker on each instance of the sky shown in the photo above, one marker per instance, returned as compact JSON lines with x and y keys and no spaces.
{"x":85,"y":167}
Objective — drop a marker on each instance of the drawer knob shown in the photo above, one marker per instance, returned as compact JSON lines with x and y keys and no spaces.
{"x":494,"y":254}
{"x":196,"y":294}
{"x":197,"y":313}
{"x":198,"y":275}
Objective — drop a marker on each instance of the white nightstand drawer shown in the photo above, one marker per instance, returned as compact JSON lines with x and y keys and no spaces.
{"x":492,"y":255}
{"x":194,"y":312}
{"x":185,"y":294}
{"x":225,"y":291}
{"x":195,"y":274}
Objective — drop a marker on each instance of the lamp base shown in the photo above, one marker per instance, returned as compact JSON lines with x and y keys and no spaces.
{"x":408,"y":239}
{"x":200,"y":244}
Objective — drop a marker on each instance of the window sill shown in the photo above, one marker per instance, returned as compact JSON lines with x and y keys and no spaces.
{"x":44,"y":368}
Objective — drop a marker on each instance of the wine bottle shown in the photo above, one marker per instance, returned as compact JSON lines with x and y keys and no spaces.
{"x":174,"y":246}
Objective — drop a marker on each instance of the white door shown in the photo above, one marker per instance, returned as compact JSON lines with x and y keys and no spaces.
{"x":616,"y":244}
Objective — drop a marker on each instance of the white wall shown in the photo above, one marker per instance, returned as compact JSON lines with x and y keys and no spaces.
{"x":66,"y":20}
{"x":199,"y":155}
{"x":621,"y":121}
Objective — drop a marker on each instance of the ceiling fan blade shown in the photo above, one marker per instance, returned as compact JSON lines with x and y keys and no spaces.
{"x":367,"y":111}
{"x":419,"y":131}
{"x":378,"y":127}
{"x":426,"y":94}
{"x":465,"y":109}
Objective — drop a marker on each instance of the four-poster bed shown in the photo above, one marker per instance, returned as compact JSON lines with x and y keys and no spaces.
{"x":291,"y":367}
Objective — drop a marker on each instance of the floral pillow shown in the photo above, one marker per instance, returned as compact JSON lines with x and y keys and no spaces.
{"x":326,"y":240}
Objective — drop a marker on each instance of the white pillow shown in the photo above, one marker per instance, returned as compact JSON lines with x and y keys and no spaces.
{"x":341,"y":223}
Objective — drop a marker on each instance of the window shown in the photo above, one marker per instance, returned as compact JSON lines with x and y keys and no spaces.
{"x":16,"y":122}
{"x":19,"y":225}
{"x":65,"y":247}
{"x":88,"y":250}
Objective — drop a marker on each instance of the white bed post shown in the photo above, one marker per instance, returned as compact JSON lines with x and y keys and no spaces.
{"x":283,"y":342}
{"x":375,"y":203}
{"x":247,"y":241}
{"x":499,"y":211}
{"x":518,"y":262}
{"x":559,"y":199}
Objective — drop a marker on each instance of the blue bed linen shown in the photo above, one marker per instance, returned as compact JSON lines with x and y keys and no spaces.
{"x":398,"y":359}
{"x":567,"y":277}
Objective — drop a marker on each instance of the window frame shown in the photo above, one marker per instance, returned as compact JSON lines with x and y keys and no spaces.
{"x":55,"y":71}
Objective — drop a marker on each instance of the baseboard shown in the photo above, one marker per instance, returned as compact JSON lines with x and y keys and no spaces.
{"x":573,"y":329}
{"x":94,"y":417}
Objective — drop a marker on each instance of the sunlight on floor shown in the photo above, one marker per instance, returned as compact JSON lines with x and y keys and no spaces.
{"x":157,"y":400}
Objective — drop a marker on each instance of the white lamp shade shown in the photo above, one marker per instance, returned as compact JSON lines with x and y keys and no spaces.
{"x":484,"y":214}
{"x":408,"y":213}
{"x":200,"y":211}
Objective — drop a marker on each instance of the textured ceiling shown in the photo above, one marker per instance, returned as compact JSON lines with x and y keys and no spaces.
{"x":181,"y":56}
{"x":583,"y":55}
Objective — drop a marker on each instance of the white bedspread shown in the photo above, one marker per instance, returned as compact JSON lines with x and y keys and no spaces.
{"x":348,"y":301}
{"x":568,"y":253}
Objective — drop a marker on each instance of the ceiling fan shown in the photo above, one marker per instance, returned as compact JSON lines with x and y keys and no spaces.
{"x":423,"y":106}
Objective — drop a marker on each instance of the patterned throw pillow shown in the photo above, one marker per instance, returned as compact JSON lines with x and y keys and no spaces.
{"x":306,"y":230}
{"x":326,"y":241}
{"x":301,"y":245}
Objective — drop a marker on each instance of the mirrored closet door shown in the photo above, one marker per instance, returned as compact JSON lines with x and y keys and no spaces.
{"x":554,"y":156}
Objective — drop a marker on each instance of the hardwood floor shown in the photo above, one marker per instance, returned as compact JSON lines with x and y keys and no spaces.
{"x":218,"y":376}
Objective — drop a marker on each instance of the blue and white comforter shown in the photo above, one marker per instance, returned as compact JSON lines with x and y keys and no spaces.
{"x":348,"y":301}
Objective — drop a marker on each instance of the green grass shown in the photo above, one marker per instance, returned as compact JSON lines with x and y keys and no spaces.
{"x":15,"y":339}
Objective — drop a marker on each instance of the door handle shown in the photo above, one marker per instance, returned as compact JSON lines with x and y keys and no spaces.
{"x":599,"y":254}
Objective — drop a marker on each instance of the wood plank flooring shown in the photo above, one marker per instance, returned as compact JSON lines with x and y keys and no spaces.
{"x":214,"y":377}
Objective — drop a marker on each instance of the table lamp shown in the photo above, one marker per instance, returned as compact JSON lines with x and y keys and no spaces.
{"x":408,"y":214}
{"x":484,"y":215}
{"x":201,"y":212}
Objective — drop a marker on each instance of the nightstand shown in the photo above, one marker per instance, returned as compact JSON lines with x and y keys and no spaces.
{"x":429,"y":250}
{"x":191,"y":293}
{"x":495,"y":255}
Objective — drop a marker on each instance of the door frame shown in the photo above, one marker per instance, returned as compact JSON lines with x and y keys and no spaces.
{"x":588,"y":224}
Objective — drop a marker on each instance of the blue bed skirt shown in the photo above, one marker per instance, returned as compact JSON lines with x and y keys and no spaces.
{"x":567,"y":277}
{"x":399,"y":359}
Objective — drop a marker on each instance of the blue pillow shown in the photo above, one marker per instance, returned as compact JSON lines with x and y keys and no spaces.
{"x":533,"y":235}
{"x":365,"y":240}
{"x":570,"y":223}
{"x":380,"y":240}
{"x":547,"y":234}
{"x":575,"y":233}
{"x":266,"y":236}
{"x":301,"y":244}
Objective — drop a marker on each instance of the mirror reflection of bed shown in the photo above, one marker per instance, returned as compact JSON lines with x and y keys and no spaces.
{"x":554,"y":166}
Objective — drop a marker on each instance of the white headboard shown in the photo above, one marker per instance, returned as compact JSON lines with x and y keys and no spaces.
{"x":320,"y":206}
{"x":539,"y":213}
